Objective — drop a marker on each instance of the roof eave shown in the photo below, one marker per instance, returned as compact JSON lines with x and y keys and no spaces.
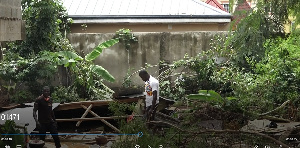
{"x":149,"y":21}
{"x":147,"y":16}
{"x":152,"y":19}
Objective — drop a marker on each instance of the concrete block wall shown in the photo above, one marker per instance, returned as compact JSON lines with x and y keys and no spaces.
{"x":10,"y":9}
{"x":10,"y":20}
{"x":150,"y":48}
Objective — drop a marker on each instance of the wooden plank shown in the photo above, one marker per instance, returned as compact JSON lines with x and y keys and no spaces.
{"x":94,"y":118}
{"x":84,"y":114}
{"x":77,"y":105}
{"x":104,"y":121}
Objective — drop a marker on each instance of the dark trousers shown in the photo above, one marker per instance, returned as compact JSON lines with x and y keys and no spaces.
{"x":148,"y":115}
{"x":52,"y":128}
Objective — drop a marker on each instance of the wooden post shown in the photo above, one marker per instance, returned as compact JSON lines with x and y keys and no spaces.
{"x":104,"y":121}
{"x":85,"y":113}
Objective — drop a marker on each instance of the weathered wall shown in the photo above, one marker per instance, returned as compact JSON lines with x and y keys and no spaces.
{"x":11,"y":24}
{"x":150,"y":48}
{"x":175,"y":27}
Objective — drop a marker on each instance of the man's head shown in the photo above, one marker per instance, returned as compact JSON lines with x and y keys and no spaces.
{"x":46,"y":91}
{"x":144,"y":75}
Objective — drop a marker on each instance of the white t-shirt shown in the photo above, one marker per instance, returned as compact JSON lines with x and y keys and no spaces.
{"x":151,"y":85}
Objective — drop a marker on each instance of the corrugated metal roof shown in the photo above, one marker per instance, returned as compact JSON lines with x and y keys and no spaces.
{"x":140,"y":8}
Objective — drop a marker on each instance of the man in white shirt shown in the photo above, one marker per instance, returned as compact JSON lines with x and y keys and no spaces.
{"x":152,"y":94}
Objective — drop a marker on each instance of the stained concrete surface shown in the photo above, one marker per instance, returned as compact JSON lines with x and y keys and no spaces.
{"x":151,"y":48}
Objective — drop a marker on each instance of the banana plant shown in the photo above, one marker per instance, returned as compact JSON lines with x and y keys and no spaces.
{"x":88,"y":75}
{"x":70,"y":58}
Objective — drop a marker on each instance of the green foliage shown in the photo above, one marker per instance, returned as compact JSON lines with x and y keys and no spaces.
{"x":271,"y":81}
{"x":126,"y":37}
{"x":121,"y":109}
{"x":261,"y":67}
{"x":153,"y":140}
{"x":266,"y":21}
{"x":214,"y":98}
{"x":280,"y":67}
{"x":127,"y":82}
{"x":41,"y":66}
{"x":206,"y":95}
{"x":63,"y":94}
{"x":88,"y":82}
{"x":175,"y":91}
{"x":32,"y":61}
{"x":196,"y":73}
{"x":10,"y":128}
{"x":22,"y":97}
{"x":98,"y":50}
{"x":33,"y":71}
{"x":99,"y":70}
{"x":43,"y":31}
{"x":135,"y":126}
{"x":88,"y":76}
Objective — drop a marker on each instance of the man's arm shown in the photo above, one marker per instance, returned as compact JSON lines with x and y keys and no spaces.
{"x":35,"y":108}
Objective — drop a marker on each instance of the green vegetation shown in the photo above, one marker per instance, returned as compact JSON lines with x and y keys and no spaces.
{"x":34,"y":62}
{"x":10,"y":128}
{"x":88,"y":76}
{"x":257,"y":64}
{"x":247,"y":72}
{"x":29,"y":63}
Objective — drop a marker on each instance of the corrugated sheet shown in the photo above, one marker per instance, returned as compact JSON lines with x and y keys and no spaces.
{"x":140,"y":7}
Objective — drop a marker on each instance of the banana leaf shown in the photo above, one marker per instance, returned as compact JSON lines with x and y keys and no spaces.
{"x":206,"y":95}
{"x":70,"y":55}
{"x":212,"y":93}
{"x":98,"y":50}
{"x":99,"y":70}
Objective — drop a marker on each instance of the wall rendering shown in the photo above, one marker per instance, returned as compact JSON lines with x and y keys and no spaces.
{"x":150,"y":48}
{"x":11,"y":20}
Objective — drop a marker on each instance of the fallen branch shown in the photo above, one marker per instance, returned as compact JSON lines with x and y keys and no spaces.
{"x":223,"y":131}
{"x":281,"y":106}
{"x":275,"y":119}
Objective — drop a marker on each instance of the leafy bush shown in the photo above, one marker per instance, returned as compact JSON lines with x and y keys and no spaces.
{"x":63,"y":95}
{"x":17,"y":68}
{"x":44,"y":32}
{"x":271,"y":81}
{"x":214,"y":98}
{"x":22,"y":97}
{"x":195,"y":74}
{"x":10,"y":128}
{"x":281,"y":68}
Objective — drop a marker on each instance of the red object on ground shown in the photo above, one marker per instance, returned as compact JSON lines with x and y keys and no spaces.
{"x":129,"y":118}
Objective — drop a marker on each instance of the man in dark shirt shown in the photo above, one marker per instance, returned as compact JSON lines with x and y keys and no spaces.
{"x":46,"y":119}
